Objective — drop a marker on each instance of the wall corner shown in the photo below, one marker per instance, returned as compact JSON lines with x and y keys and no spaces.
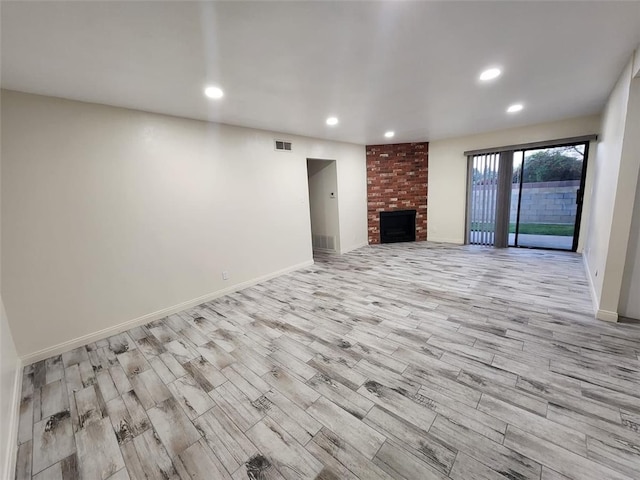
{"x":11,"y":453}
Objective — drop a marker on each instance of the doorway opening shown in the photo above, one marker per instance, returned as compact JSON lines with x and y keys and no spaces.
{"x":547,"y":195}
{"x":527,"y":196}
{"x":322,"y":178}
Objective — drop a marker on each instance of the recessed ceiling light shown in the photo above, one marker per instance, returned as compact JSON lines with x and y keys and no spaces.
{"x":490,"y":74}
{"x":332,"y":121}
{"x":516,"y":107}
{"x":389,"y":134}
{"x":213,"y":92}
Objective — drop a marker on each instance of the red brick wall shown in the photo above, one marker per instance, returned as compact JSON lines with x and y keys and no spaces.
{"x":397,"y":180}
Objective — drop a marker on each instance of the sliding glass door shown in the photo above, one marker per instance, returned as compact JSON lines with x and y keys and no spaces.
{"x":527,"y":197}
{"x":546,"y":197}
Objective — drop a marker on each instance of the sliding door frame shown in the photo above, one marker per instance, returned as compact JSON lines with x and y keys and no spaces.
{"x":467,"y":213}
{"x":579,"y":196}
{"x":505,"y":173}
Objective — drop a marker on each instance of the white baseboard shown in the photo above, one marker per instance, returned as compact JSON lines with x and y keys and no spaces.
{"x":12,"y":432}
{"x":606,"y":315}
{"x":455,"y":241}
{"x":354,"y":247}
{"x":150,"y":317}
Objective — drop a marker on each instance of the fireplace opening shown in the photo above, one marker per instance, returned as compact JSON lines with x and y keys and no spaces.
{"x":398,"y":226}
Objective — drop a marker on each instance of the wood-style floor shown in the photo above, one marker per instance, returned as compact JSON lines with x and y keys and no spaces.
{"x":416,"y":361}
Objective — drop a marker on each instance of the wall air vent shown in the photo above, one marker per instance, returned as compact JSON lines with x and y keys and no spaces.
{"x":283,"y":146}
{"x":324,"y":243}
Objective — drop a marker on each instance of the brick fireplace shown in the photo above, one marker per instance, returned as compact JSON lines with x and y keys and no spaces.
{"x":397,"y":180}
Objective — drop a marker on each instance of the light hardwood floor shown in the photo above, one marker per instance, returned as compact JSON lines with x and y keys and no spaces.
{"x":417,"y":361}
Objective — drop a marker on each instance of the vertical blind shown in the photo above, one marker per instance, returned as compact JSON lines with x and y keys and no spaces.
{"x":483,"y":197}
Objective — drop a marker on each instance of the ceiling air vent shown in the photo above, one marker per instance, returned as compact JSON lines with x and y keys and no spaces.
{"x":283,"y":146}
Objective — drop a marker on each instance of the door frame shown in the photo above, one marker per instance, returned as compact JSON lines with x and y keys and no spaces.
{"x":579,"y":196}
{"x":578,"y":140}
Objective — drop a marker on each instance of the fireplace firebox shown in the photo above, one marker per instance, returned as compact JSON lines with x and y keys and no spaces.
{"x":398,"y":226}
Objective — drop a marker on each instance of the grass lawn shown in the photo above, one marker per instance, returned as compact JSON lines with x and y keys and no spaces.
{"x":543,"y":229}
{"x":534,"y":228}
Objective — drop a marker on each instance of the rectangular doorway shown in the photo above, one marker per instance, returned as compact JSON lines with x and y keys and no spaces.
{"x":546,"y":197}
{"x":322,"y":177}
{"x":527,"y":195}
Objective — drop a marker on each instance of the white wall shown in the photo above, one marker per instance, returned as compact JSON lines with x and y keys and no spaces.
{"x":606,"y":169}
{"x":9,"y":392}
{"x":636,"y":63}
{"x":112,"y":214}
{"x":614,"y":191}
{"x":629,"y":298}
{"x":352,"y":199}
{"x":629,"y":305}
{"x":448,"y":171}
{"x":323,"y":181}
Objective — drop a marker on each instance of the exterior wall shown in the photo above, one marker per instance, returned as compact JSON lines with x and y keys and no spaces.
{"x":542,"y":202}
{"x":397,"y":180}
{"x":546,"y":202}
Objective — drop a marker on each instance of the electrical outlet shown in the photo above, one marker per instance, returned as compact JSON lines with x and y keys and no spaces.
{"x":225,"y":275}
